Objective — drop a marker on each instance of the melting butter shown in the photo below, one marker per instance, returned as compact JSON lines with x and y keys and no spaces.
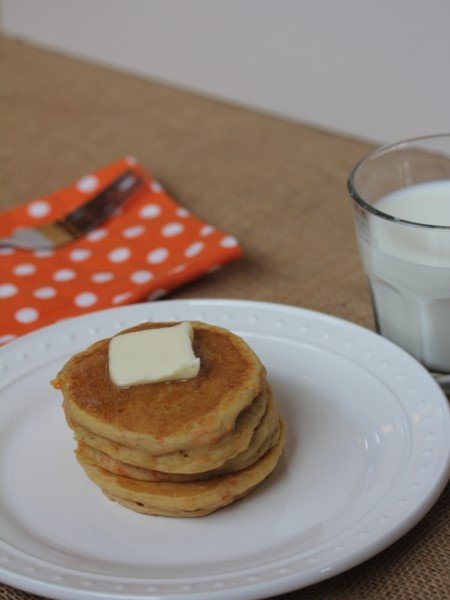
{"x":153,"y":355}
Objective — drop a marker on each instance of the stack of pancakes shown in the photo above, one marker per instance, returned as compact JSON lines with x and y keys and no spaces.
{"x":178,"y":448}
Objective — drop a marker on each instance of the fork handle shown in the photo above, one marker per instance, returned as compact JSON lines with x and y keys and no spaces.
{"x":78,"y":222}
{"x":88,"y":216}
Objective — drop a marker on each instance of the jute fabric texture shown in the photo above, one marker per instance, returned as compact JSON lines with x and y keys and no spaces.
{"x":278,"y":186}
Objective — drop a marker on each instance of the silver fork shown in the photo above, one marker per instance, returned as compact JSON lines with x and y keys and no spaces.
{"x":78,"y":222}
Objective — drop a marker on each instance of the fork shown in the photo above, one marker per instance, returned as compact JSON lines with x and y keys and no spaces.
{"x":79,"y":221}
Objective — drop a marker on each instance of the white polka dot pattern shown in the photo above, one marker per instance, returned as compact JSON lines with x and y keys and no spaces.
{"x":157,"y":256}
{"x":194,"y":249}
{"x":206,"y":230}
{"x":172,"y":229}
{"x":26,"y":315}
{"x":24,"y":269}
{"x":64,"y":275}
{"x":121,"y":298}
{"x":133,"y":232}
{"x":80,"y":254}
{"x":119,"y":255}
{"x":87,"y":184}
{"x":150,"y":211}
{"x":6,"y":338}
{"x":96,"y":235}
{"x":145,"y":249}
{"x":102,"y":277}
{"x":183,"y":213}
{"x":156,"y":187}
{"x":7,"y":290}
{"x":229,"y":242}
{"x":39,"y":209}
{"x":177,"y":269}
{"x":44,"y":293}
{"x":43,"y":253}
{"x":141,"y":277}
{"x":85,"y":299}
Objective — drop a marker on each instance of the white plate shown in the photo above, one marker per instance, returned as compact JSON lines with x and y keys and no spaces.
{"x":367,"y":455}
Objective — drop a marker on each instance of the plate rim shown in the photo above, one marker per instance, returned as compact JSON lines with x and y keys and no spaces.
{"x":208,"y":302}
{"x":349,"y":560}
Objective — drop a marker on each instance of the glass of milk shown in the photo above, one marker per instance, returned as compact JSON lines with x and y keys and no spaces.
{"x":401,"y":197}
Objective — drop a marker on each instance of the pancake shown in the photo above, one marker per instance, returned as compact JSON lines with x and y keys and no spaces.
{"x":194,"y":460}
{"x":187,"y":499}
{"x":265,"y":437}
{"x":164,"y":417}
{"x":147,"y":509}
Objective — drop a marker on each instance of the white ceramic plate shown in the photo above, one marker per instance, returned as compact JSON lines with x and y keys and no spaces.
{"x":367,"y":455}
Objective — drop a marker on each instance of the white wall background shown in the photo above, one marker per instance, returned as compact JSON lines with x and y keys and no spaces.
{"x":377,"y":69}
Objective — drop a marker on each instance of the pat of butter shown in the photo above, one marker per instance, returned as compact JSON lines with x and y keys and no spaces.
{"x":153,"y":355}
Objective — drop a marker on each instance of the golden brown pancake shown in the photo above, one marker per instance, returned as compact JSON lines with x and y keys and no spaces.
{"x":264,"y":439}
{"x":194,"y":460}
{"x":168,"y":416}
{"x":187,"y":499}
{"x":147,"y":509}
{"x":191,"y":460}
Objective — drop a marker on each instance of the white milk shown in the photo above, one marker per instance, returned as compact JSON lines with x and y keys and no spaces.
{"x":409,"y":272}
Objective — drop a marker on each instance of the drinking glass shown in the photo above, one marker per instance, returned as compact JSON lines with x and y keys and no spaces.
{"x":401,"y":202}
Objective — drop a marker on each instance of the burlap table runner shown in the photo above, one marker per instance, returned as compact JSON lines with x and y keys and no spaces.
{"x":279,"y":187}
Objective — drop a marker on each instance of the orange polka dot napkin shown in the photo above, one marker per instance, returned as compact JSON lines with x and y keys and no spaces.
{"x":150,"y":246}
